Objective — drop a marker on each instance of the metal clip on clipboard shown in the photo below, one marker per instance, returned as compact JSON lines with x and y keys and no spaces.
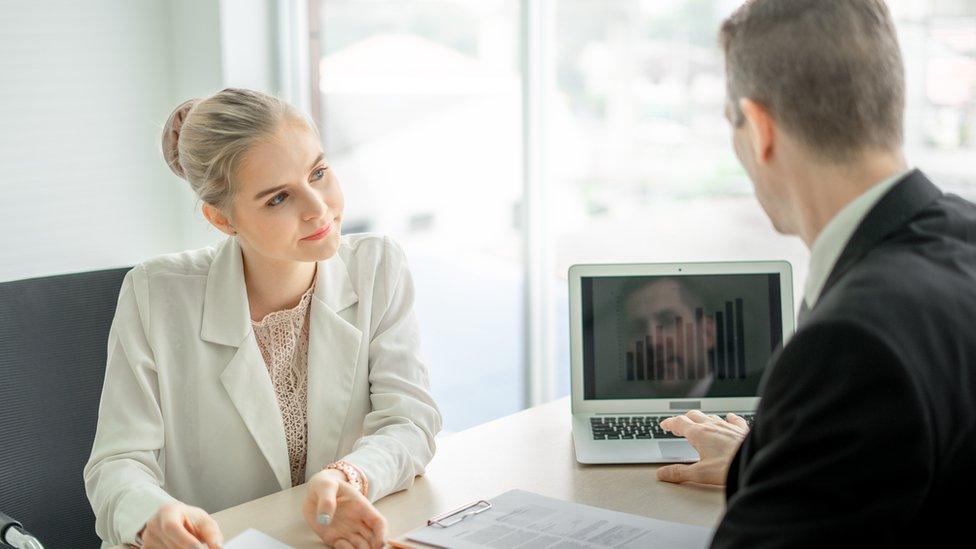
{"x":451,"y":518}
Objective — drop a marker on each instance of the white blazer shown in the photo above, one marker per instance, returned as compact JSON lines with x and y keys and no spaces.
{"x":188,"y":411}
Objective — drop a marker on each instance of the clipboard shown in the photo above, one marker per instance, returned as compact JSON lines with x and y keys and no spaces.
{"x":445,"y":520}
{"x":451,"y":518}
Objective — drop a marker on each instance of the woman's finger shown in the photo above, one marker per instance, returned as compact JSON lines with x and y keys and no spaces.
{"x":174,"y":530}
{"x":149,"y":538}
{"x":359,"y":541}
{"x":372,"y":540}
{"x":343,"y":544}
{"x":325,"y":505}
{"x":205,"y":528}
{"x":377,"y":526}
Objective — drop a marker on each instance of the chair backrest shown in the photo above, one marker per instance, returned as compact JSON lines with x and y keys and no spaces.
{"x":53,"y":341}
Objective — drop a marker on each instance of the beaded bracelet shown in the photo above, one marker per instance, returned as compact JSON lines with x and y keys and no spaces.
{"x":353,"y":474}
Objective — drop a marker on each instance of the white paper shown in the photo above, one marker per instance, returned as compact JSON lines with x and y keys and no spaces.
{"x":253,"y":539}
{"x":531,"y":521}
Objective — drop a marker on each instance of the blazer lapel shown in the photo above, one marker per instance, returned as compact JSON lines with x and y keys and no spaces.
{"x":227,"y":321}
{"x":333,"y":355}
{"x":226,"y":315}
{"x":247,"y":382}
{"x":908,"y":197}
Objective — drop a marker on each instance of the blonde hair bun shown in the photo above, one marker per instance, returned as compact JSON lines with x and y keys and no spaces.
{"x":171,"y":136}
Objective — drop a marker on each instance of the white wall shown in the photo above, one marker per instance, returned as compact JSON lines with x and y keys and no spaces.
{"x":85,"y":88}
{"x":195,"y":71}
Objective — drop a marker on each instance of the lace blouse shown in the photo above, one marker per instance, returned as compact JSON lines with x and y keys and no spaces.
{"x":283,"y":339}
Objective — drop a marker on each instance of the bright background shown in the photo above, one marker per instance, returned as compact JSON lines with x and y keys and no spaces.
{"x":500,"y":141}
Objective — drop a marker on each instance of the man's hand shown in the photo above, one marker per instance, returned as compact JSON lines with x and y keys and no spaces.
{"x":715,"y":439}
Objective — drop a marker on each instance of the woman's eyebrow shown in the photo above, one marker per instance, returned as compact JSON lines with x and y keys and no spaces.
{"x":316,"y":161}
{"x":279,"y":187}
{"x":269,"y":191}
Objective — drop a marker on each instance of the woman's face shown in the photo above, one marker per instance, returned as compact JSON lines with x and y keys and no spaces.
{"x":288,"y":204}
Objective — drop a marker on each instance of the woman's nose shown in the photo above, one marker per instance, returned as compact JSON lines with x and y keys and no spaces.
{"x":315,"y":207}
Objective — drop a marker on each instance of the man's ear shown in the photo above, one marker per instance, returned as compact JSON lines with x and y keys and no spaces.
{"x":218,"y":219}
{"x":761,"y":128}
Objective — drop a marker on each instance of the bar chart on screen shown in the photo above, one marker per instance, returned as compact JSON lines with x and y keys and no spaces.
{"x":712,"y":344}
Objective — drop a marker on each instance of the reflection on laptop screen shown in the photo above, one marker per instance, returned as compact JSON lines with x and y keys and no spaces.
{"x":678,"y":336}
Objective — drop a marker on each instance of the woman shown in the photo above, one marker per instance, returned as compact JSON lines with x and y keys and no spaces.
{"x":284,"y":355}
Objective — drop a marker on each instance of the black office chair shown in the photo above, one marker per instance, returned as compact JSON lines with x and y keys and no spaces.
{"x":53,"y":340}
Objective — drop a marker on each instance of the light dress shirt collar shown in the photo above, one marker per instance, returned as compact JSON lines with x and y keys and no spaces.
{"x":833,"y":238}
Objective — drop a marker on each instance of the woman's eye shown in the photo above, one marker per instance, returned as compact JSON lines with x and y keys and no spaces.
{"x":318,"y":174}
{"x":275,"y":200}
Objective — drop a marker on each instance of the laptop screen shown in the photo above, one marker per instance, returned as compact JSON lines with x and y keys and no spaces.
{"x":688,"y":336}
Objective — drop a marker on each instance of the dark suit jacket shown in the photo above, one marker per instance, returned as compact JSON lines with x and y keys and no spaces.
{"x":866,"y":431}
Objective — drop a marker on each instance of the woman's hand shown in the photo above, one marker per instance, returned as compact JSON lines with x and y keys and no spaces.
{"x":340,"y":514}
{"x":180,"y":526}
{"x":715,"y":439}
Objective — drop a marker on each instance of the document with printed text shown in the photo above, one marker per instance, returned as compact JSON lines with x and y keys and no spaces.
{"x":530,"y":521}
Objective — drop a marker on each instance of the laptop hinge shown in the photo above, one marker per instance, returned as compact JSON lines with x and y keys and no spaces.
{"x":684,"y":405}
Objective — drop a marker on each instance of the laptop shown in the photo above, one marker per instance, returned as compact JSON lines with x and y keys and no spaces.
{"x":651,"y":341}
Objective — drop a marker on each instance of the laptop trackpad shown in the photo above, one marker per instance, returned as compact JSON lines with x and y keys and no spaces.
{"x":678,"y":450}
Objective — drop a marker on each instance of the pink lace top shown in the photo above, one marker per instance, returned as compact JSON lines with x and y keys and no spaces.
{"x":283,"y":339}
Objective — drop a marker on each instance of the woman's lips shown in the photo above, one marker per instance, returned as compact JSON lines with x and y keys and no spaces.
{"x":320,"y":234}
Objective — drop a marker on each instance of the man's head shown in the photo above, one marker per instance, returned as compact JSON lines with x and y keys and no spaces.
{"x":810,"y":82}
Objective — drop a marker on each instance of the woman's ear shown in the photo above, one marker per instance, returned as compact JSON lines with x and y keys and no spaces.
{"x":218,"y":219}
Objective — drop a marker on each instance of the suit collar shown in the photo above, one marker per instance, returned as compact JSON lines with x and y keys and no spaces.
{"x":226,"y":314}
{"x":903,"y":202}
{"x":333,"y":286}
{"x":246,"y":380}
{"x":829,"y":244}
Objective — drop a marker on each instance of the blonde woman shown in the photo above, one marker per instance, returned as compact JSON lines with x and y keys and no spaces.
{"x":286,"y":354}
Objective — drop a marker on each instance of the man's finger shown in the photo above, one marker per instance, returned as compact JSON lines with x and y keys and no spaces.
{"x":676,"y":473}
{"x":738,"y":421}
{"x":697,"y":416}
{"x":678,"y":425}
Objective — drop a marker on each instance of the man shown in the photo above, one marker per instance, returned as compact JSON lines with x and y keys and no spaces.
{"x":866,"y":431}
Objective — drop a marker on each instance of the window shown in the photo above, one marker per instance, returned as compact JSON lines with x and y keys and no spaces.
{"x":938,"y":41}
{"x":420,"y":104}
{"x":420,"y":109}
{"x":645,"y":170}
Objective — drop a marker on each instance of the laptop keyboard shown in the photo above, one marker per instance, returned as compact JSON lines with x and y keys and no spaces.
{"x":637,"y":427}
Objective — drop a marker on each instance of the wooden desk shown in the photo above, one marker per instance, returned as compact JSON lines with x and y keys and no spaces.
{"x":531,"y":450}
